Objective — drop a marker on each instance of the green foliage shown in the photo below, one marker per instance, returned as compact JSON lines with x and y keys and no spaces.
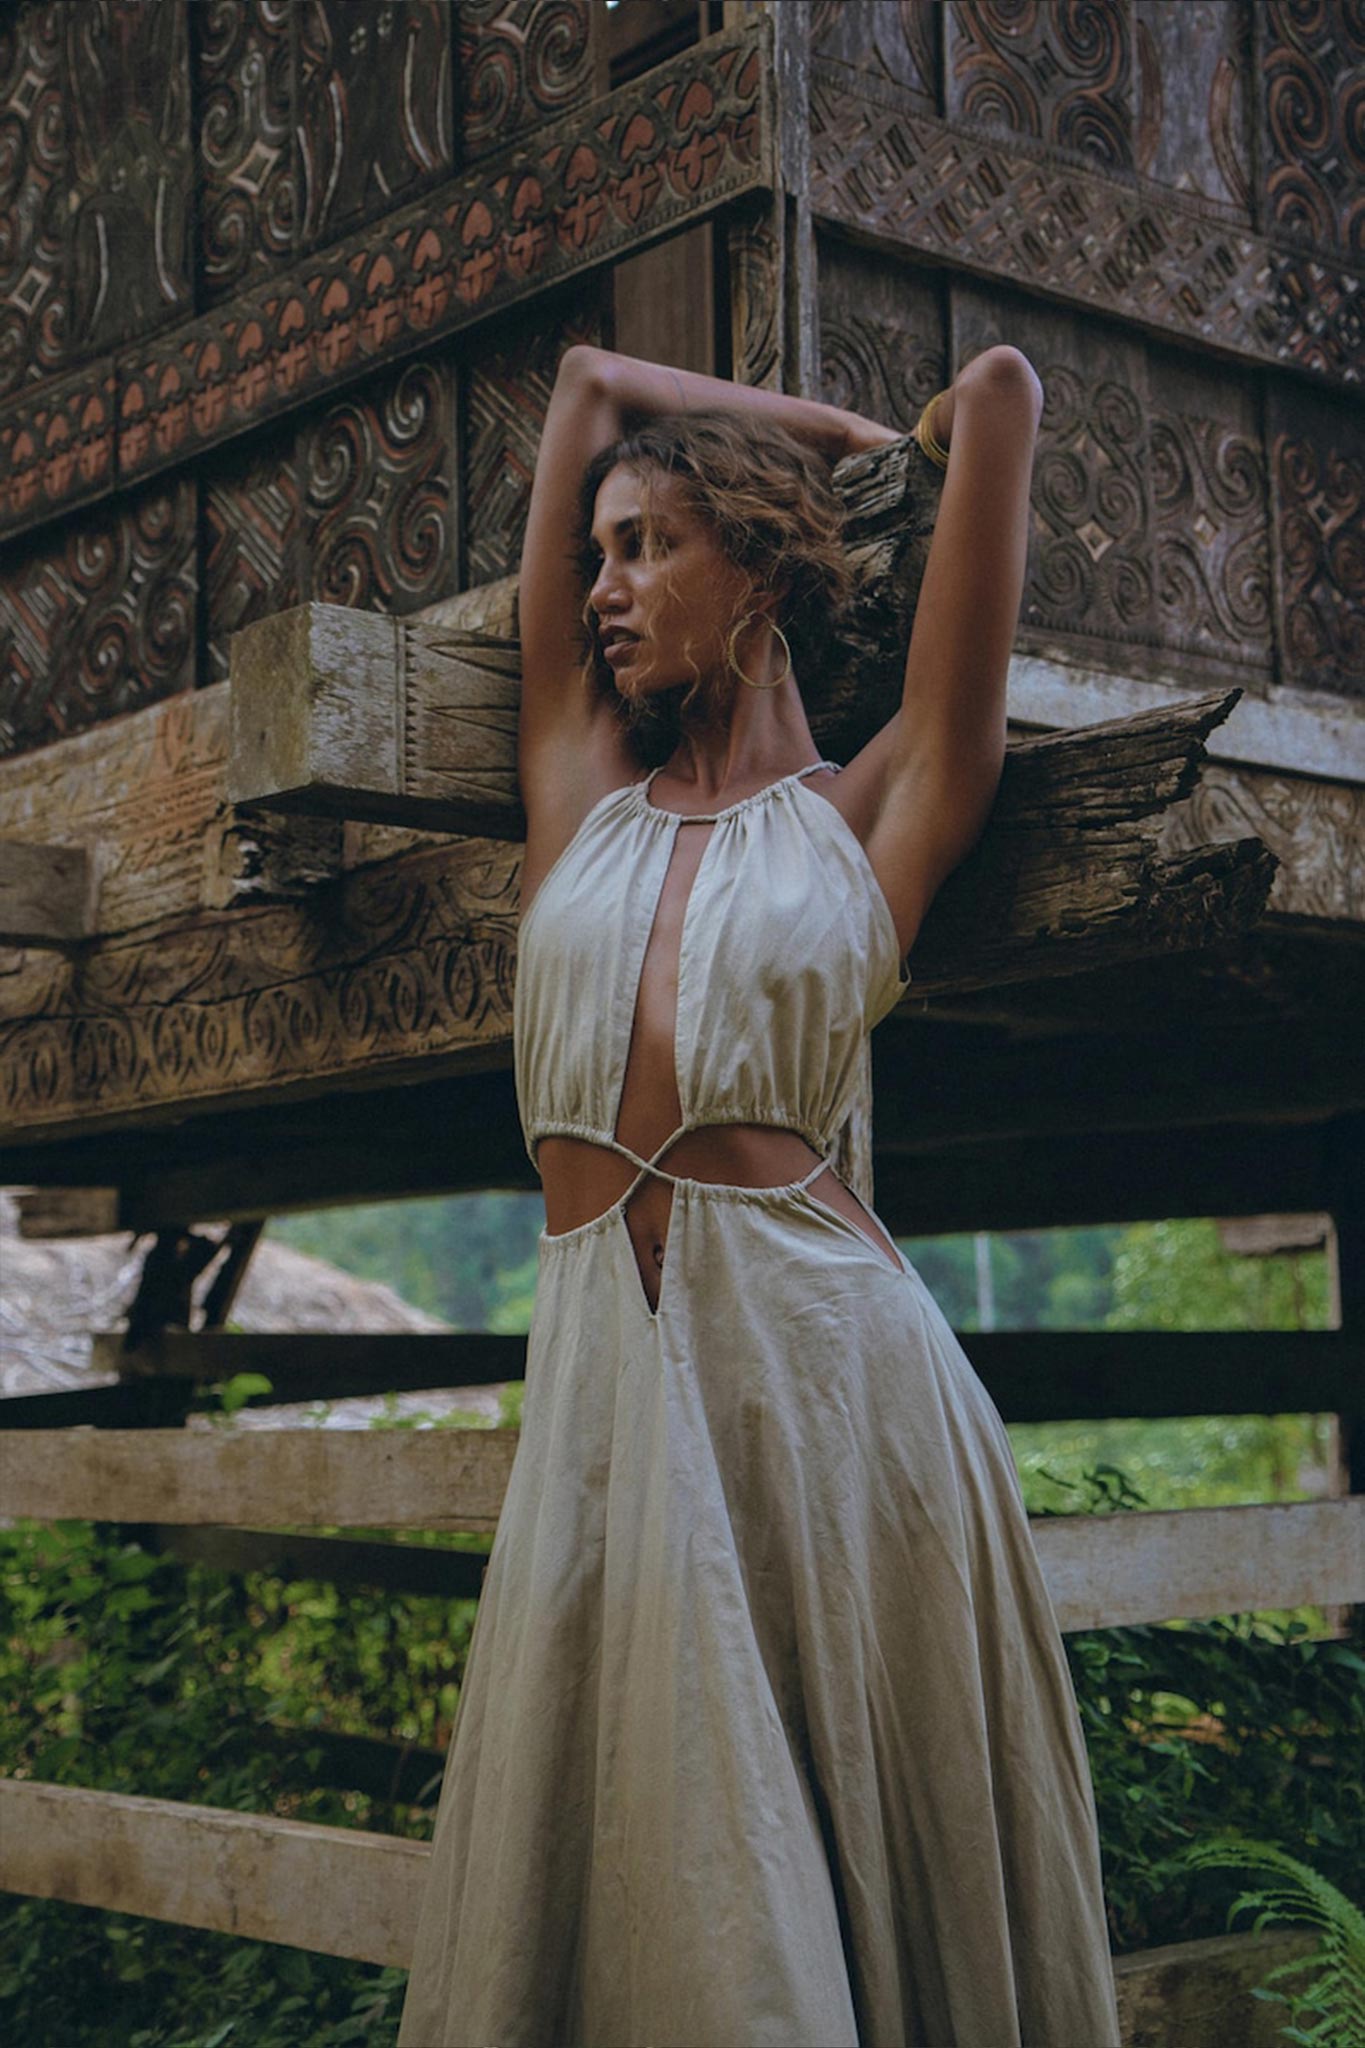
{"x":1334,"y":1997}
{"x":1245,"y":1722}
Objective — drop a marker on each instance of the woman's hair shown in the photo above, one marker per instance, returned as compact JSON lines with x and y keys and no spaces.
{"x":774,"y":513}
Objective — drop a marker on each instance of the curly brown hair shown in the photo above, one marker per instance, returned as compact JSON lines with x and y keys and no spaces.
{"x":773,"y":510}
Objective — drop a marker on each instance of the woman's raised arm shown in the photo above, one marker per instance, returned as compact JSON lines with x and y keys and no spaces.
{"x":570,"y":748}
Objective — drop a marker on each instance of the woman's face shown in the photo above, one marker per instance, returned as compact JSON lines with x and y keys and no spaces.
{"x":658,"y":615}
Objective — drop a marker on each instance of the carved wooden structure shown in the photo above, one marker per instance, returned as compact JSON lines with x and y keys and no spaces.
{"x":283,"y":285}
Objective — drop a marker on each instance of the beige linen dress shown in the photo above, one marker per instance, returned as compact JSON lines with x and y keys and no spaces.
{"x":767,"y":1737}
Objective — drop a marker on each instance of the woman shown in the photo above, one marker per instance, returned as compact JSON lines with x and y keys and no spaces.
{"x":767,"y":1734}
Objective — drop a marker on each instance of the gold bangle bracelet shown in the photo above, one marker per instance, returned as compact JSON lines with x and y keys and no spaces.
{"x":923,"y":433}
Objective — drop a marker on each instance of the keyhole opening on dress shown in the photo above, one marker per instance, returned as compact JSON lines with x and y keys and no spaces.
{"x":584,"y":1180}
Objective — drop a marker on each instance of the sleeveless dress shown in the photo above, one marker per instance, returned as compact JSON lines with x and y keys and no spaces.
{"x":767,"y":1736}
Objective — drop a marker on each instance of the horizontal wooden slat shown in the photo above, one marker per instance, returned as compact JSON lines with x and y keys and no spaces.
{"x":1032,"y":1375}
{"x":1114,"y":1570}
{"x":358,"y":1478}
{"x":1102,"y":1570}
{"x":335,"y":1891}
{"x":342,"y":1892}
{"x":1077,"y":1375}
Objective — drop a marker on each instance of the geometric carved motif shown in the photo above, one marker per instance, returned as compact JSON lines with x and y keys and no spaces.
{"x":506,"y":386}
{"x":33,"y":182}
{"x":883,"y":168}
{"x":252,"y":535}
{"x":98,"y":618}
{"x":1193,"y":120}
{"x":1312,"y":74}
{"x":520,"y":62}
{"x":375,"y":480}
{"x":1317,"y":461}
{"x":242,"y":57}
{"x":373,"y":108}
{"x":1063,"y":74}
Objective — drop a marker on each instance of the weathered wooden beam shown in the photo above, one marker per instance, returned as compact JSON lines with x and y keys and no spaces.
{"x":46,"y":894}
{"x":1021,"y":1183}
{"x":336,"y":1891}
{"x":67,"y":1212}
{"x":333,"y":1560}
{"x":351,"y":1892}
{"x":302,"y":1364}
{"x":1032,"y":1375}
{"x":1267,"y":1237}
{"x":1102,"y":1570}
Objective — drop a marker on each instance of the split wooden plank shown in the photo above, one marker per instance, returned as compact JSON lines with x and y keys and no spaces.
{"x":1102,"y":1570}
{"x":335,"y":1891}
{"x":349,"y":1892}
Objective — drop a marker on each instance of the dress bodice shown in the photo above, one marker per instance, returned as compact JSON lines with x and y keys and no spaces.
{"x":788,"y":957}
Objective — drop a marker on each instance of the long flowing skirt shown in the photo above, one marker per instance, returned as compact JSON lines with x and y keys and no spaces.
{"x":767,"y":1736}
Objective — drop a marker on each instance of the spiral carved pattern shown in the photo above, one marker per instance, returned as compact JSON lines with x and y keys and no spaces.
{"x":521,"y":61}
{"x":1313,"y":86}
{"x":1318,"y":461}
{"x":1061,"y":72}
{"x":100,"y":620}
{"x":376,"y":479}
{"x":242,"y":66}
{"x":33,"y":184}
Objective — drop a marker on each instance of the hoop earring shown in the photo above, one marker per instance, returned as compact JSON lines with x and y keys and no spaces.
{"x":730,"y":661}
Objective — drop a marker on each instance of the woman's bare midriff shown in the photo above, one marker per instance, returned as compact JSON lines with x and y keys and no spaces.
{"x":582,"y":1181}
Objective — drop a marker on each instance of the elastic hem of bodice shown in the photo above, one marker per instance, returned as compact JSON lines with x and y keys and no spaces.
{"x":650,"y":1169}
{"x":720,"y":1190}
{"x":748,"y":1115}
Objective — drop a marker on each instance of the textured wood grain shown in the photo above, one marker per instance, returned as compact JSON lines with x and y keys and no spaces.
{"x":45,"y":894}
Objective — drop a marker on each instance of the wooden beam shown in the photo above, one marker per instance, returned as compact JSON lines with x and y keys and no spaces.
{"x":46,"y":894}
{"x":336,"y":1891}
{"x":1074,"y":1375}
{"x":312,"y":1364}
{"x":1116,"y":1177}
{"x":1267,"y":1237}
{"x":61,"y":1212}
{"x":1102,"y":1570}
{"x":359,"y":1478}
{"x":1032,"y":1375}
{"x":332,"y":1560}
{"x":1201,"y":1994}
{"x":348,"y":1892}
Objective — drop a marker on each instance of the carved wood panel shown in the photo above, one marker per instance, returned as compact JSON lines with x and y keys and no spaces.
{"x":1193,"y":107}
{"x":1312,"y":115}
{"x":506,"y":390}
{"x":1062,"y":73}
{"x":1317,"y":469}
{"x":1150,"y":543}
{"x":373,"y":113}
{"x":375,"y":476}
{"x":883,"y":334}
{"x":99,"y":618}
{"x":95,"y":169}
{"x":252,"y":538}
{"x":899,"y":40}
{"x":1091,"y":574}
{"x":520,"y":62}
{"x":33,"y":185}
{"x":242,"y":53}
{"x":1210,"y":499}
